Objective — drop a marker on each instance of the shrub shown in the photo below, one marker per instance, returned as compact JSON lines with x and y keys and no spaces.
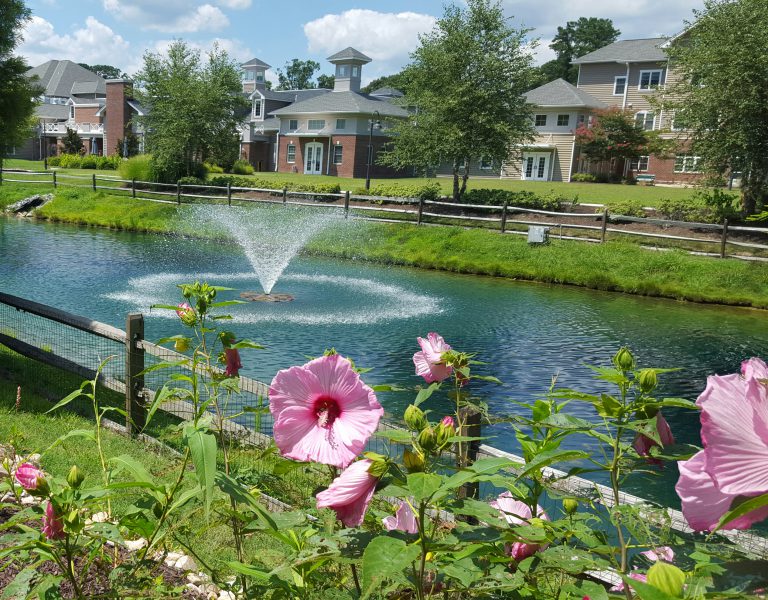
{"x":522,"y":199}
{"x":211,"y":168}
{"x":89,"y":161}
{"x":628,"y":208}
{"x":54,"y":161}
{"x":723,"y":205}
{"x":70,"y":161}
{"x":242,"y":167}
{"x":608,"y":178}
{"x":583,"y":178}
{"x":109,"y":162}
{"x":137,"y":167}
{"x":193,"y":181}
{"x":274,"y":184}
{"x":429,"y":191}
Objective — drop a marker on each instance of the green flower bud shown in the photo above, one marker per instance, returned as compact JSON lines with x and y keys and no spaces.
{"x":647,"y":380}
{"x":414,"y":462}
{"x":181,"y":345}
{"x":427,"y":440}
{"x":445,"y":431}
{"x":623,"y":359}
{"x":415,"y":418}
{"x":378,"y":468}
{"x":570,"y":506}
{"x":75,"y":477}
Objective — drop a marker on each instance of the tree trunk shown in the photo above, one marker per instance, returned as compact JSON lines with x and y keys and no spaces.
{"x":455,"y":179}
{"x":464,"y":178}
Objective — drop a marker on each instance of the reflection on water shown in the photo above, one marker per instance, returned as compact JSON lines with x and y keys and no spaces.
{"x":525,"y":332}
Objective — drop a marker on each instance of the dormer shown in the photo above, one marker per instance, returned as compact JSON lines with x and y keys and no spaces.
{"x":254,"y":75}
{"x":349,"y":66}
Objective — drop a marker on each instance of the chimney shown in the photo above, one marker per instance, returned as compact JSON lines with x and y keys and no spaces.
{"x":117,"y":113}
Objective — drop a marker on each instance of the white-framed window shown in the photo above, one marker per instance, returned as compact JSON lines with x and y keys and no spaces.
{"x":293,"y":124}
{"x":639,"y":165}
{"x":315,"y":124}
{"x":486,"y":164}
{"x":338,"y":153}
{"x":291,"y":154}
{"x":563,"y":120}
{"x":649,"y":80}
{"x":581,"y":119}
{"x":685,"y":163}
{"x":260,"y":76}
{"x":341,"y":123}
{"x":540,"y":120}
{"x":342,"y":71}
{"x":72,"y":112}
{"x":645,"y":119}
{"x":355,"y":71}
{"x":249,"y":76}
{"x":619,"y":85}
{"x":257,"y":109}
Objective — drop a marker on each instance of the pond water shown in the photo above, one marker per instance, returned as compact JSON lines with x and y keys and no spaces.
{"x":525,"y":332}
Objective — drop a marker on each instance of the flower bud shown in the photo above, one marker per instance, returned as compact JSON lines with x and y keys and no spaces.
{"x":181,"y":345}
{"x":445,"y":431}
{"x":187,"y":314}
{"x":623,"y":359}
{"x":570,"y":506}
{"x":647,"y":380}
{"x":414,"y":463}
{"x":427,"y":440}
{"x":415,"y":418}
{"x":378,"y":468}
{"x":75,"y":477}
{"x":31,"y":479}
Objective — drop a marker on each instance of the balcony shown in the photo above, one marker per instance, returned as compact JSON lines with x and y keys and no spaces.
{"x":80,"y":128}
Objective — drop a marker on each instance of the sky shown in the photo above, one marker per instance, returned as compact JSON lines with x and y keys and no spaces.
{"x":120,"y":32}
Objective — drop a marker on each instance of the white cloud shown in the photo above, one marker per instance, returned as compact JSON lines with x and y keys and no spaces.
{"x":171,"y":16}
{"x":94,"y":43}
{"x":387,"y":38}
{"x":234,"y":4}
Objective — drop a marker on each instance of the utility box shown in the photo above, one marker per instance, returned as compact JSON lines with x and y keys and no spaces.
{"x":538,"y":234}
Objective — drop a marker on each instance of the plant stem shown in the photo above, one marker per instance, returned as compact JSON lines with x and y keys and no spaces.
{"x":356,"y":580}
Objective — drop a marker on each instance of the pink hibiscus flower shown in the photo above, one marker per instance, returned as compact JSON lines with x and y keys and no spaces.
{"x":53,"y":527}
{"x":429,"y":362}
{"x":619,"y":587}
{"x":518,"y":513}
{"x":29,"y":476}
{"x":734,"y":462}
{"x":233,"y":362}
{"x":323,"y":411}
{"x":404,"y":520}
{"x":350,"y":493}
{"x":643,"y":443}
{"x":661,"y":553}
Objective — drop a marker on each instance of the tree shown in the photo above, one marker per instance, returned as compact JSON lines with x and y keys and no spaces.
{"x":722,"y":94}
{"x":465,"y":81}
{"x":17,"y":91}
{"x":297,"y":75}
{"x":326,"y":81}
{"x":577,"y":38}
{"x":105,"y":71}
{"x":193,"y":108}
{"x":71,"y":142}
{"x":396,"y":80}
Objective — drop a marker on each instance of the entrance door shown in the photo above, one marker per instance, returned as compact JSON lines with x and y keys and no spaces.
{"x":313,"y":159}
{"x":536,"y":166}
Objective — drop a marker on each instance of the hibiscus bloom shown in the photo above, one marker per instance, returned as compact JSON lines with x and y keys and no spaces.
{"x":29,"y":477}
{"x":619,"y":587}
{"x":429,"y":362}
{"x":404,"y":520}
{"x":661,"y":553}
{"x":350,"y":493}
{"x":233,"y":362}
{"x":643,"y":443}
{"x":518,"y":513}
{"x":53,"y":527}
{"x":323,"y":411}
{"x":734,"y":462}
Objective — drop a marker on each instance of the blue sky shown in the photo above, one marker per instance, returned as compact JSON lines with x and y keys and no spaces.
{"x":119,"y":32}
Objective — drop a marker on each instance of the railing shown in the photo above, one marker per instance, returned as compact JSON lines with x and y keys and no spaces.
{"x":78,"y":345}
{"x":710,"y":239}
{"x":78,"y":127}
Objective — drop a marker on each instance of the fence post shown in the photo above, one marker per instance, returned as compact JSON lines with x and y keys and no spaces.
{"x":93,"y":181}
{"x":466,"y":452}
{"x":504,"y":217}
{"x":605,"y":224}
{"x":178,"y":192}
{"x":421,"y":210}
{"x":229,"y":193}
{"x":285,"y":194}
{"x":724,"y":239}
{"x":136,"y":411}
{"x":54,"y":180}
{"x":346,"y":204}
{"x":133,"y":187}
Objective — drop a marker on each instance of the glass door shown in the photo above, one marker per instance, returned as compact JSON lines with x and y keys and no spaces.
{"x":313,"y":159}
{"x":536,"y":166}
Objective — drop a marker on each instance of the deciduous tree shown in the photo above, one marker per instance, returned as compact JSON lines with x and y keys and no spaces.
{"x":105,"y":71}
{"x":326,"y":81}
{"x":465,"y":82}
{"x":297,"y":75}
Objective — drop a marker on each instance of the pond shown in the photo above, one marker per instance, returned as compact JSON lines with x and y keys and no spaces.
{"x":526,"y":332}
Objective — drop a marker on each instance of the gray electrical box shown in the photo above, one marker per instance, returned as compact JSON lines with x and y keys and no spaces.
{"x":538,"y":234}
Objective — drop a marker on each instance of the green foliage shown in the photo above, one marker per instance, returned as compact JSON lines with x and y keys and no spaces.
{"x":106,"y":71}
{"x":584,"y":178}
{"x":242,"y":167}
{"x":54,"y":161}
{"x":326,"y":81}
{"x":428,"y":191}
{"x":128,"y":146}
{"x":705,"y":206}
{"x":72,"y":142}
{"x":89,"y":161}
{"x":85,"y":161}
{"x":109,"y":163}
{"x":628,"y":208}
{"x":71,"y":161}
{"x":547,"y":201}
{"x":396,"y":81}
{"x":275,"y":184}
{"x":297,"y":75}
{"x":212,"y":168}
{"x":466,"y":81}
{"x":137,"y":167}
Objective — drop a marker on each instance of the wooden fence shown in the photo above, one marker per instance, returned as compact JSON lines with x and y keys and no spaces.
{"x":592,"y":227}
{"x":132,"y":346}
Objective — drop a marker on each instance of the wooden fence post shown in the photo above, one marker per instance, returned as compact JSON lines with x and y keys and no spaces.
{"x":136,"y":411}
{"x":421,"y":210}
{"x":605,"y":225}
{"x":504,"y":217}
{"x":724,"y":239}
{"x":178,"y":192}
{"x":133,"y":187}
{"x":285,"y":194}
{"x":346,"y":204}
{"x":466,"y":452}
{"x":54,"y":180}
{"x":93,"y":181}
{"x":229,"y":193}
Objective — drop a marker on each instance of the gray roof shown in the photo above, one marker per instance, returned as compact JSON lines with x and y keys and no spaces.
{"x":342,"y":102}
{"x":52,"y":111}
{"x":255,"y":62}
{"x":85,"y":87}
{"x":647,"y":50}
{"x":561,"y":93}
{"x":349,"y":53}
{"x":79,"y":101}
{"x":59,"y":77}
{"x":271,"y":123}
{"x":387,"y":92}
{"x":293,"y":95}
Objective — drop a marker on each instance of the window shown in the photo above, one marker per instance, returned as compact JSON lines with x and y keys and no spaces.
{"x":342,"y":71}
{"x":260,"y":76}
{"x":249,"y":75}
{"x":257,"y":109}
{"x":355,"y":71}
{"x":563,"y":120}
{"x":581,"y":119}
{"x":293,"y":124}
{"x":684,"y":163}
{"x":639,"y":164}
{"x":619,"y":85}
{"x":338,"y":151}
{"x":72,"y":112}
{"x":291,"y":156}
{"x":541,"y":120}
{"x":341,"y":123}
{"x":486,"y":164}
{"x":315,"y":124}
{"x":645,"y":119}
{"x":649,"y":80}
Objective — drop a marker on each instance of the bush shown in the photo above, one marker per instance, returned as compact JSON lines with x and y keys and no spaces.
{"x":89,"y":161}
{"x":137,"y":167}
{"x":429,"y":191}
{"x":522,"y":199}
{"x":723,"y":205}
{"x":54,"y":161}
{"x":70,"y":161}
{"x":274,"y":184}
{"x":109,"y":163}
{"x":211,"y":168}
{"x":242,"y":167}
{"x":608,"y":178}
{"x":583,"y":178}
{"x":628,"y":208}
{"x":193,"y":181}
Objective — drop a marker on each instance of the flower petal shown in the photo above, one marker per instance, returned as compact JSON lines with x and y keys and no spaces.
{"x":350,"y":493}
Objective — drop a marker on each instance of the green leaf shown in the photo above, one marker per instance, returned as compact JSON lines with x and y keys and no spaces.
{"x":19,"y":587}
{"x":425,"y":393}
{"x":387,"y":387}
{"x":250,"y":571}
{"x":675,"y":451}
{"x":399,"y":436}
{"x":69,"y":398}
{"x":666,"y":577}
{"x":159,"y":398}
{"x":243,"y":344}
{"x":386,"y":558}
{"x":550,"y":457}
{"x":679,"y":403}
{"x":202,"y":448}
{"x":87,"y":434}
{"x":608,"y":406}
{"x":423,"y":485}
{"x":566,"y":422}
{"x":742,"y":509}
{"x":645,"y":591}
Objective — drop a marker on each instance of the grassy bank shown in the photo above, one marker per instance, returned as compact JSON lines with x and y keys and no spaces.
{"x":614,"y":266}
